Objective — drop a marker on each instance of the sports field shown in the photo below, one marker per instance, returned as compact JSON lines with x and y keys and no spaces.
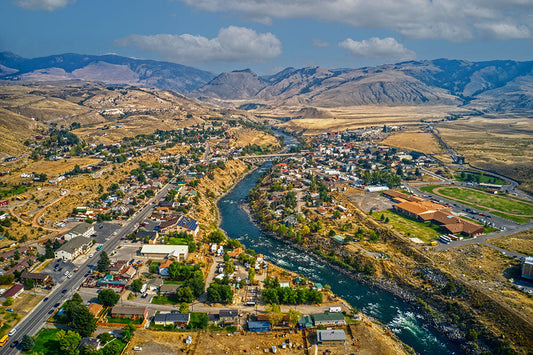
{"x":517,"y":210}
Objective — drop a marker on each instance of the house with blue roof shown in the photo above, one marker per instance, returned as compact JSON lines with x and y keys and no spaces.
{"x":188,"y":225}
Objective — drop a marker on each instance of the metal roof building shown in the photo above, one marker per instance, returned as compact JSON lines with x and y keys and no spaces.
{"x":331,"y":337}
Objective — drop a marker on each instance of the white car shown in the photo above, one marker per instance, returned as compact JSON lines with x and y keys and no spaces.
{"x":66,"y":273}
{"x":69,"y":276}
{"x":91,"y":255}
{"x":137,"y":348}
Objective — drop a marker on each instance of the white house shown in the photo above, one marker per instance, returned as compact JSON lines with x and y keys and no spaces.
{"x":73,"y":248}
{"x":159,"y":252}
{"x":80,"y":230}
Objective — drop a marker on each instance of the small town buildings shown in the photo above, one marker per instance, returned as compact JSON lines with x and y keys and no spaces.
{"x":305,"y":322}
{"x":258,"y":326}
{"x":160,"y":252}
{"x":173,"y":318}
{"x":327,"y":318}
{"x":73,"y":248}
{"x":527,"y":268}
{"x":40,"y":279}
{"x":188,"y":225}
{"x":129,"y":273}
{"x":133,"y":312}
{"x":163,"y":267}
{"x":14,"y":292}
{"x":118,"y":266}
{"x":331,"y":337}
{"x":229,"y":316}
{"x":152,"y":236}
{"x":80,"y":230}
{"x":168,"y":289}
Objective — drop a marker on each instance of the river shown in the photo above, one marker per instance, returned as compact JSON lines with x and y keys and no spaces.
{"x":401,"y":317}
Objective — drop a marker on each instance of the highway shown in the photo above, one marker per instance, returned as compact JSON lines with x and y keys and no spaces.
{"x":36,"y":319}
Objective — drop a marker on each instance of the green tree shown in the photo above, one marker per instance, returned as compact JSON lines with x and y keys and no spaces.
{"x":108,"y":297}
{"x":9,"y":301}
{"x":105,"y":337}
{"x":76,"y":298}
{"x":83,"y":321}
{"x":29,"y":284}
{"x":27,"y":343}
{"x":274,"y":314}
{"x":6,"y":279}
{"x":68,"y":341}
{"x":184,"y":294}
{"x":293,"y":316}
{"x":127,"y":332}
{"x":184,"y":308}
{"x":200,"y":321}
{"x":104,"y":262}
{"x":216,"y":237}
{"x":137,"y":285}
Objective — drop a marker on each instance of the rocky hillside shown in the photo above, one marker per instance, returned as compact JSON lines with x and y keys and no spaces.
{"x":487,"y":86}
{"x":492,"y":86}
{"x":110,"y":69}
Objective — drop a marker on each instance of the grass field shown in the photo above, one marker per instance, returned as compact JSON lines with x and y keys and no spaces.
{"x":473,"y":176}
{"x":165,"y":300}
{"x":501,"y":143}
{"x":486,"y":202}
{"x":410,"y":227}
{"x":418,"y":141}
{"x":499,"y":203}
{"x":45,"y":342}
{"x":121,"y":320}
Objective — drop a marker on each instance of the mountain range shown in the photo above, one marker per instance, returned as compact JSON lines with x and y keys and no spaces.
{"x":501,"y":85}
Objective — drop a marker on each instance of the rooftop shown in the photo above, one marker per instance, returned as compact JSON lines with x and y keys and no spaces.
{"x":331,"y":335}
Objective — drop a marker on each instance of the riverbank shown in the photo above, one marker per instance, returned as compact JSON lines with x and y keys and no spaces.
{"x":450,"y":332}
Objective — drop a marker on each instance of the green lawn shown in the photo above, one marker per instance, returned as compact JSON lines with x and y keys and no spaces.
{"x":176,"y":241}
{"x":173,"y":282}
{"x":124,"y":320}
{"x":500,"y":203}
{"x":164,"y":300}
{"x":409,"y":227}
{"x":45,"y":342}
{"x":16,"y":190}
{"x":486,"y":179}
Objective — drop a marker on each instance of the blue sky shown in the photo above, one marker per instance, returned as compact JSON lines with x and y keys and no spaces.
{"x":269,"y":35}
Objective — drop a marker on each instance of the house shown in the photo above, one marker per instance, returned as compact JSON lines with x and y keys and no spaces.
{"x":90,"y":343}
{"x":169,"y":225}
{"x":10,"y":255}
{"x":173,"y":318}
{"x":118,"y":266}
{"x":235,"y":252}
{"x":163,"y":267}
{"x":527,"y":268}
{"x":331,"y":337}
{"x":80,"y":230}
{"x":327,"y":318}
{"x":258,"y":326}
{"x":95,"y":308}
{"x":73,"y":248}
{"x":39,"y":278}
{"x":129,"y":273}
{"x":188,"y":225}
{"x":305,"y":322}
{"x":168,"y":289}
{"x":133,"y":312}
{"x":14,"y":292}
{"x":153,"y":237}
{"x":229,"y":316}
{"x":213,"y":318}
{"x":154,"y":284}
{"x":159,"y":252}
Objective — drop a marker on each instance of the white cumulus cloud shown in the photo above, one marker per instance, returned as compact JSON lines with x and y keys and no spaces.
{"x":47,"y":5}
{"x":376,"y":47}
{"x":452,"y":20}
{"x":233,"y":44}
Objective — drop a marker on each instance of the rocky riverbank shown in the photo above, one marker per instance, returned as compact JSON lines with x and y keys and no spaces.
{"x":391,"y":286}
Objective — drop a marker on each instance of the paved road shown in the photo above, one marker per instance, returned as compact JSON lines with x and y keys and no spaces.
{"x":36,"y":319}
